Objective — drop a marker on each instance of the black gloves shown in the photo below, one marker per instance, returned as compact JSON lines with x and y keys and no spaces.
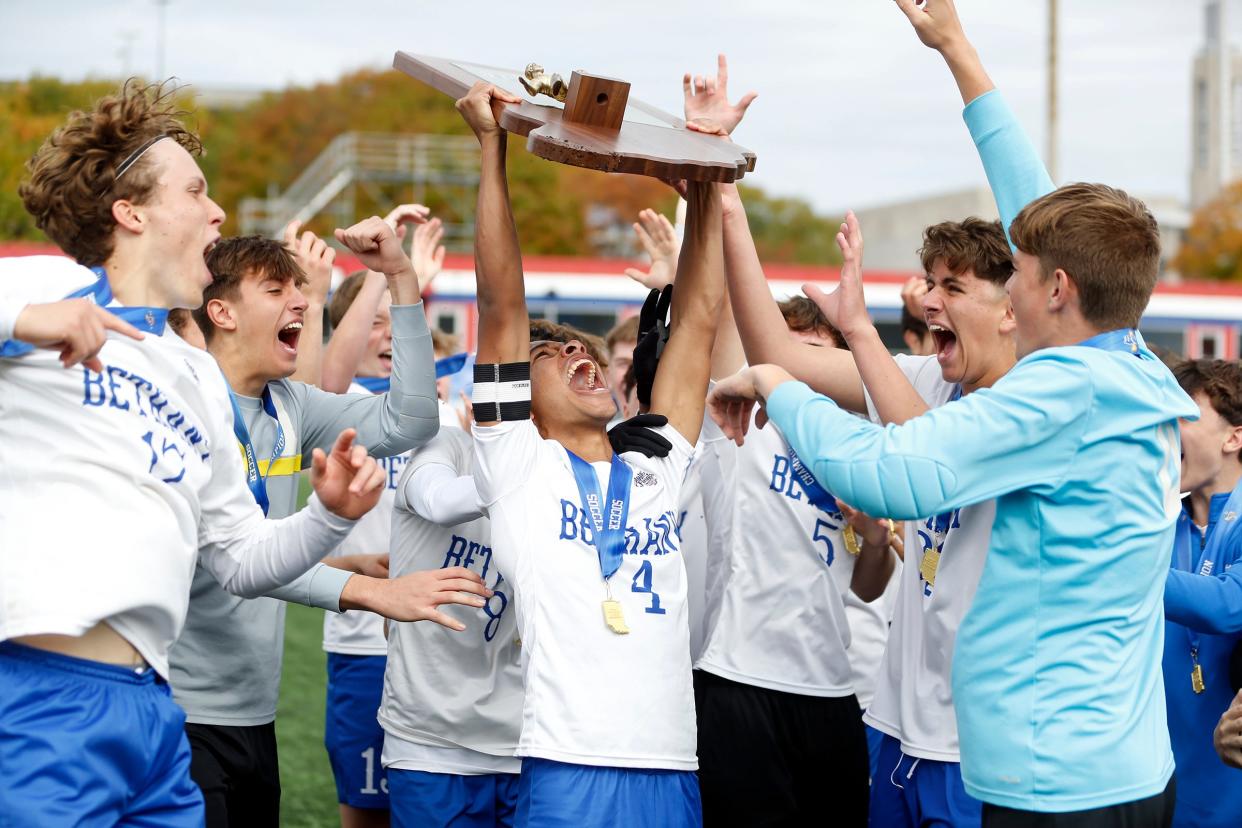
{"x":652,"y":337}
{"x":635,"y":434}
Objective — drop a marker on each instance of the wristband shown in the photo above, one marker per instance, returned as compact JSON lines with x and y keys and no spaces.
{"x":501,"y":392}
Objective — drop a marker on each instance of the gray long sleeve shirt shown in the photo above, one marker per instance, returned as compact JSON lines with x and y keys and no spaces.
{"x":225,"y":667}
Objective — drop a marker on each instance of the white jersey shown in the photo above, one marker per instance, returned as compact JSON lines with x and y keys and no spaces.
{"x":111,"y":483}
{"x":913,"y":701}
{"x":359,"y":632}
{"x":452,"y":700}
{"x":781,"y":620}
{"x":692,"y":530}
{"x":869,"y":623}
{"x":593,"y":697}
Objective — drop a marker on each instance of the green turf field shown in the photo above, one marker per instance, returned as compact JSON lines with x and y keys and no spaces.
{"x":308,"y":795}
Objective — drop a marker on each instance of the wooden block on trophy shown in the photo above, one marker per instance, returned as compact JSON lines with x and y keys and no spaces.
{"x":596,"y":101}
{"x":591,"y":122}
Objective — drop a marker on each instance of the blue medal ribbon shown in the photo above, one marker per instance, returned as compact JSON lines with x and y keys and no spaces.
{"x":445,"y":367}
{"x":610,"y":528}
{"x":815,"y":493}
{"x":256,"y":481}
{"x":449,"y":365}
{"x":148,"y":320}
{"x":376,"y":385}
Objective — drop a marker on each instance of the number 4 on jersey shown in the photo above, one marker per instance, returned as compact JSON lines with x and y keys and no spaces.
{"x":642,"y":584}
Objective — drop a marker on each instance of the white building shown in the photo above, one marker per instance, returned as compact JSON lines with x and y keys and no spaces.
{"x":894,"y":232}
{"x":1216,"y":121}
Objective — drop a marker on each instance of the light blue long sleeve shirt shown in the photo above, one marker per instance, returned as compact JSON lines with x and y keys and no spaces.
{"x":1014,"y":169}
{"x":1056,"y":676}
{"x":1057,"y":679}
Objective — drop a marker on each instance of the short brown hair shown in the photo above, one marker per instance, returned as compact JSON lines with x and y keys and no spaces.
{"x":344,"y":296}
{"x":804,"y":316}
{"x":972,"y":245}
{"x":1219,"y":380}
{"x":624,"y":331}
{"x":233,"y":259}
{"x":1107,"y":241}
{"x":556,"y":332}
{"x":72,"y":182}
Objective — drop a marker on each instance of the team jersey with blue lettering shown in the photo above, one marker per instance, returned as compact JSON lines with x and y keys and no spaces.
{"x":593,"y":696}
{"x":113,"y":484}
{"x":1057,"y":678}
{"x":913,"y":697}
{"x":452,"y":700}
{"x":359,"y":632}
{"x":781,"y":620}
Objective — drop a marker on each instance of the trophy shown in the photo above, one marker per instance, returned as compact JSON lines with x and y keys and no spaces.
{"x":591,"y":122}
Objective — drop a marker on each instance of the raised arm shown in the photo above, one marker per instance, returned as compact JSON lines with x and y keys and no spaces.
{"x":680,"y":385}
{"x":315,"y":258}
{"x":1014,"y":169}
{"x":761,"y":326}
{"x":504,"y":327}
{"x":348,"y":344}
{"x":938,"y":27}
{"x":345,"y":349}
{"x":846,"y":308}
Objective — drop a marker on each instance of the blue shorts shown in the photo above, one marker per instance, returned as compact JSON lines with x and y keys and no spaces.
{"x":351,"y":732}
{"x":90,"y":744}
{"x":874,"y":739}
{"x":920,"y":793}
{"x":558,"y":795}
{"x":421,"y":799}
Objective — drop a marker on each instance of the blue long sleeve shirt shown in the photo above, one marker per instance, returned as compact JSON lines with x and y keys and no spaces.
{"x":1203,"y":605}
{"x":1014,"y":169}
{"x":1056,"y":678}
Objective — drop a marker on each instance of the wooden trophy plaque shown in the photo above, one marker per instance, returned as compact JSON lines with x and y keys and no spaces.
{"x":599,"y":125}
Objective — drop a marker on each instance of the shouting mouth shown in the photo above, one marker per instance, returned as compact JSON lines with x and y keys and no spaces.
{"x":288,"y":336}
{"x":584,"y":377}
{"x":946,"y":342}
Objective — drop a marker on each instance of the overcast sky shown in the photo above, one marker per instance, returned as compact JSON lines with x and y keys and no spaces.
{"x":852,"y":110}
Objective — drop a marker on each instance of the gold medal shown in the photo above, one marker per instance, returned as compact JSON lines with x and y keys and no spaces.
{"x":1196,"y":679}
{"x":927,"y":566}
{"x":851,"y":540}
{"x":613,"y":617}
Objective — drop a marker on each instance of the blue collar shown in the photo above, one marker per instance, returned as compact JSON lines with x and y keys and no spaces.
{"x":1216,"y":507}
{"x":148,"y":320}
{"x":1122,"y":339}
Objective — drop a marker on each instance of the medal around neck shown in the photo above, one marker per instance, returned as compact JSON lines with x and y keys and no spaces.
{"x":609,"y":528}
{"x":614,"y":619}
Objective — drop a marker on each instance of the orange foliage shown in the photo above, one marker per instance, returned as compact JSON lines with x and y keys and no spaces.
{"x":1213,"y":245}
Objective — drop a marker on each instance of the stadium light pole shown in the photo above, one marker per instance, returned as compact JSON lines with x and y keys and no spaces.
{"x":1051,"y":154}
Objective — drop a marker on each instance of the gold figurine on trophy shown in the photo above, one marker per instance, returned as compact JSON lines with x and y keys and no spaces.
{"x":538,"y":82}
